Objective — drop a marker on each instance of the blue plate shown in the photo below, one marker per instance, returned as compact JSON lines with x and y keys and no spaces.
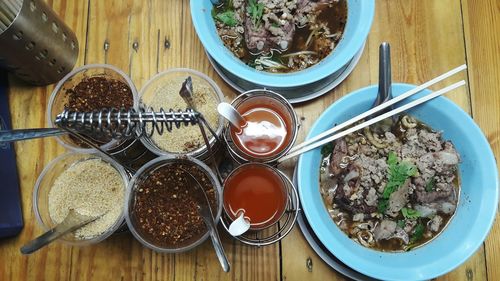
{"x":474,"y":215}
{"x":359,"y":20}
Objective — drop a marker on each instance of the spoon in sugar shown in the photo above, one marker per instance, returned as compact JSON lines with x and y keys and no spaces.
{"x":72,"y":222}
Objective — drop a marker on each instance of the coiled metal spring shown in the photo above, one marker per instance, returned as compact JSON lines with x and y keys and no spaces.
{"x":121,"y":123}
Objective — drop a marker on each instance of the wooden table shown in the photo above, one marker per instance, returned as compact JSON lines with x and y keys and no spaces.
{"x":428,"y":37}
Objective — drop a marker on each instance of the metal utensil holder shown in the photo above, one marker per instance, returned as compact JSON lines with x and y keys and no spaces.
{"x":277,"y":231}
{"x":37,"y":46}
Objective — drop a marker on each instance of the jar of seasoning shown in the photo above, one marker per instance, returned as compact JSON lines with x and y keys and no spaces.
{"x":270,"y":131}
{"x":92,"y":185}
{"x":161,"y":203}
{"x":90,"y":88}
{"x":258,"y":192}
{"x":162,"y":91}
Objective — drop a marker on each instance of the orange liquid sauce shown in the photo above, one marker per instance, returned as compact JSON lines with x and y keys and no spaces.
{"x":256,"y":191}
{"x":266,"y":133}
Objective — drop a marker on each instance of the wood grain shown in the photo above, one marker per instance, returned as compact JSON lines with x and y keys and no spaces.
{"x":418,"y":54}
{"x":143,"y":38}
{"x":482,"y":34}
{"x":28,"y":107}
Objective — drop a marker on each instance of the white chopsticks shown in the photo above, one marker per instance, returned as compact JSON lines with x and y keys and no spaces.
{"x":319,"y":141}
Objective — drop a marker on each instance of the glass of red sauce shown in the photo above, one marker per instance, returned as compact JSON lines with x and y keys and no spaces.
{"x":258,"y":191}
{"x":270,"y":130}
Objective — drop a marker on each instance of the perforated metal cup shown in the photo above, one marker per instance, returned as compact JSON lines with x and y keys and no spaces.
{"x":37,"y":46}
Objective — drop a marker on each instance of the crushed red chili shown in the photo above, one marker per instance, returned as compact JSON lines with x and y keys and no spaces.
{"x":165,"y":208}
{"x":96,"y":93}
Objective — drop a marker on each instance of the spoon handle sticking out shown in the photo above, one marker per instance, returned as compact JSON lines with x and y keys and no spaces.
{"x":232,"y":115}
{"x":206,"y":214}
{"x":219,"y":250}
{"x":73,"y":221}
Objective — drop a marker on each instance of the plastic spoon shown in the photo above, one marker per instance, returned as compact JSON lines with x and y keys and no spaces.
{"x":232,"y":115}
{"x":239,"y":225}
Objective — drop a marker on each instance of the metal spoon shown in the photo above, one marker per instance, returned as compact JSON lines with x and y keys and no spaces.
{"x":73,"y":221}
{"x":206,"y":213}
{"x":27,"y":134}
{"x":384,"y":77}
{"x":186,"y":93}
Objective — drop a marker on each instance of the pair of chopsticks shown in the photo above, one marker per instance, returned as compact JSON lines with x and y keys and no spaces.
{"x":329,"y":135}
{"x":8,"y":12}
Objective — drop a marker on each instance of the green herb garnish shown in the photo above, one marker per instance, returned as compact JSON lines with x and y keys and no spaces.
{"x":410,"y":213}
{"x":418,"y":233}
{"x":430,"y":185}
{"x":383,"y":204}
{"x":256,"y":10}
{"x":401,"y":223}
{"x":399,"y":172}
{"x":226,"y":18}
{"x":327,"y":149}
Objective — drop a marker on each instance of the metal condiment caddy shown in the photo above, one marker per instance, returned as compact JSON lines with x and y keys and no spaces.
{"x":130,"y":124}
{"x":277,"y":231}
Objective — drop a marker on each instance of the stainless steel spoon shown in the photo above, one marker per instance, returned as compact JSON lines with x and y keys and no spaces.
{"x":205,"y":212}
{"x":27,"y":134}
{"x":73,"y":221}
{"x":186,"y":93}
{"x":384,"y":77}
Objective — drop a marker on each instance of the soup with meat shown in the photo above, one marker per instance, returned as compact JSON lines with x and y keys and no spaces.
{"x":392,"y":186}
{"x":281,"y":35}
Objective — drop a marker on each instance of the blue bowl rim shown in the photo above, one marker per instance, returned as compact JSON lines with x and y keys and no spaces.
{"x":395,"y":273}
{"x":224,"y":57}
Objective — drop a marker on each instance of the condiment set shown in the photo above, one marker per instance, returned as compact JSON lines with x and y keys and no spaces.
{"x":255,"y":202}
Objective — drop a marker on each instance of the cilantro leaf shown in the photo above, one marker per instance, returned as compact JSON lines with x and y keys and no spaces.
{"x":326,"y":149}
{"x":418,"y":233}
{"x":401,"y":223}
{"x":383,"y":204}
{"x":226,"y":18}
{"x":410,"y":213}
{"x":399,"y":172}
{"x":392,"y":159}
{"x":430,"y":185}
{"x":256,"y":11}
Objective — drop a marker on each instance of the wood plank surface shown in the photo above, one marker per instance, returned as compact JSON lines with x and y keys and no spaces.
{"x":418,"y":54}
{"x":482,"y":34}
{"x":28,"y":106}
{"x":143,"y":38}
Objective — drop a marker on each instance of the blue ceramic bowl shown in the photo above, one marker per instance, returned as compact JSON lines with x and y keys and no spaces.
{"x":359,"y":20}
{"x":467,"y":229}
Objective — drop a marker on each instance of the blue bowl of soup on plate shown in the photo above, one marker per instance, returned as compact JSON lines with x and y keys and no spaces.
{"x":278,"y":46}
{"x":410,"y":201}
